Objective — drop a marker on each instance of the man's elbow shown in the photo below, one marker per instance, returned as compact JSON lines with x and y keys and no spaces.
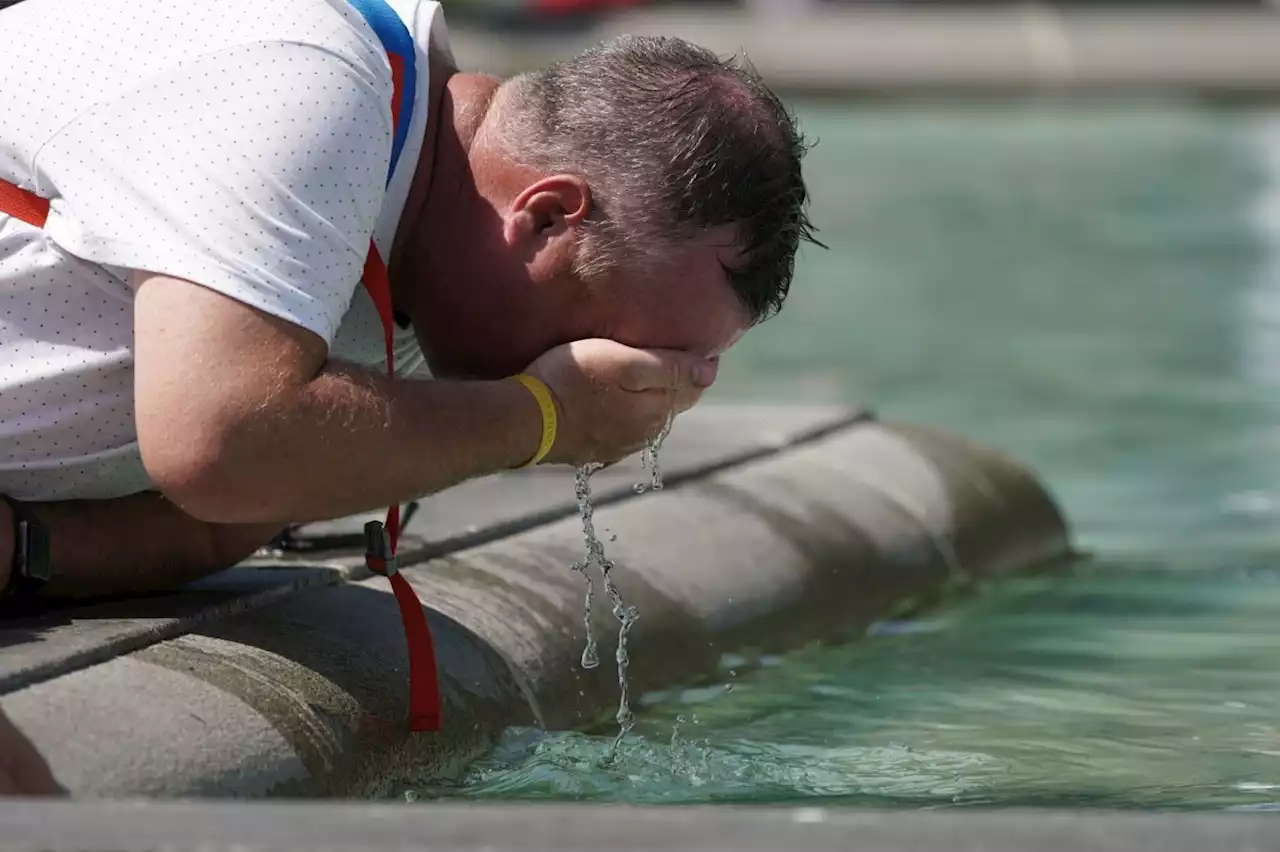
{"x":194,"y":469}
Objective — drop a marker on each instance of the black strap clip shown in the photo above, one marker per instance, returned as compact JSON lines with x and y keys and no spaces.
{"x":377,"y":549}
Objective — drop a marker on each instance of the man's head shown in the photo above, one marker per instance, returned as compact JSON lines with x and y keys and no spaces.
{"x":644,"y":191}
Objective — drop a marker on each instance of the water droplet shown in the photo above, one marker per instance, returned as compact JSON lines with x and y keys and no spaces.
{"x":626,"y":615}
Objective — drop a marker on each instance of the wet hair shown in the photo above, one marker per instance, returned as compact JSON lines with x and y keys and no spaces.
{"x":673,"y":141}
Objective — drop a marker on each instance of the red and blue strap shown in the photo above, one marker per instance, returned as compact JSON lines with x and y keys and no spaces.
{"x":401,"y":52}
{"x":380,"y":547}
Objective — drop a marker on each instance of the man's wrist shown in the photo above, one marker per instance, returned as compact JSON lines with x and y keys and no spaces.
{"x":526,"y":417}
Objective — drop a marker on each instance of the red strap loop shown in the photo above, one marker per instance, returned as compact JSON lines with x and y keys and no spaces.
{"x":424,"y":682}
{"x":23,"y":205}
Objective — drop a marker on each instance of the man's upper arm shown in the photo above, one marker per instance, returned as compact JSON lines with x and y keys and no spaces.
{"x":206,"y":367}
{"x":246,"y":183}
{"x":257,"y":171}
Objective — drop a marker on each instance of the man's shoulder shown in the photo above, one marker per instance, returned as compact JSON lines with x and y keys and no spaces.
{"x":72,"y":54}
{"x":162,"y":22}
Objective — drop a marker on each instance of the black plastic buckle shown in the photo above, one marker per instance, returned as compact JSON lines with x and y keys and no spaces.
{"x":377,"y":545}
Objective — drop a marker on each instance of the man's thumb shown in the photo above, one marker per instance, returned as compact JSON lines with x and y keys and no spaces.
{"x":668,"y":370}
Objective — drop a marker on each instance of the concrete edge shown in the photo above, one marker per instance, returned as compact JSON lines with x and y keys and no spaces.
{"x":307,"y":696}
{"x":610,"y":496}
{"x":326,"y":573}
{"x":32,"y":826}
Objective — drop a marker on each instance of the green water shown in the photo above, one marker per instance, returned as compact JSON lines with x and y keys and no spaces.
{"x":1096,"y":290}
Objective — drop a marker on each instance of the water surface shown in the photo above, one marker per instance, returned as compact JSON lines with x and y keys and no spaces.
{"x":1096,"y":290}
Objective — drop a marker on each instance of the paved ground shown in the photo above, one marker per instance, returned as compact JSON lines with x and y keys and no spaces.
{"x":126,"y":827}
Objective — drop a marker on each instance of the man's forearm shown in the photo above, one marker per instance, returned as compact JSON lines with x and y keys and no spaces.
{"x":129,"y":545}
{"x":347,"y":442}
{"x":350,"y":441}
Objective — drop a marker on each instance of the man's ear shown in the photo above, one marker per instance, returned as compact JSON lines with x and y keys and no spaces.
{"x":548,"y":208}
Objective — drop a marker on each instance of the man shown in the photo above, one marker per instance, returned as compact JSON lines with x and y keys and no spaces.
{"x":187,"y":362}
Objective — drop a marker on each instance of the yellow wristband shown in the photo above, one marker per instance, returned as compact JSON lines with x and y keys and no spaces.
{"x":547,"y":405}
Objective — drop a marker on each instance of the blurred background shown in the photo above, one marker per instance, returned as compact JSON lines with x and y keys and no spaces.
{"x":554,"y":12}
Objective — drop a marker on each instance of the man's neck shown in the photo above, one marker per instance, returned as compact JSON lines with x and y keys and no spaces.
{"x":458,"y":104}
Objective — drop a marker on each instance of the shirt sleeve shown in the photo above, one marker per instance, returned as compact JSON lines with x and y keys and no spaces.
{"x":257,"y":171}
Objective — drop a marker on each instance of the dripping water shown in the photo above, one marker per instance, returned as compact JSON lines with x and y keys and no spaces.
{"x":595,"y":552}
{"x":649,"y":458}
{"x":624,"y":613}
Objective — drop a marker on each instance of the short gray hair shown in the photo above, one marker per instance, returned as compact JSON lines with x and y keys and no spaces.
{"x":673,"y":141}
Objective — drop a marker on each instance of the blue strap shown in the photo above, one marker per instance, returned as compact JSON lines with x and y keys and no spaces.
{"x":396,"y":41}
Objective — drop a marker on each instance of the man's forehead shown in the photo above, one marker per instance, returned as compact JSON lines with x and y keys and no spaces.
{"x":688,"y":301}
{"x":705,"y":257}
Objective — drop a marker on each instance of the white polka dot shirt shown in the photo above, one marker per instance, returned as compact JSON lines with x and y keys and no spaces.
{"x":239,"y":144}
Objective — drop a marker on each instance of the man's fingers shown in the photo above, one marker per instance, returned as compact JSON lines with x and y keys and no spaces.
{"x":645,"y":370}
{"x":685,"y":398}
{"x":666,"y":370}
{"x":702,"y":373}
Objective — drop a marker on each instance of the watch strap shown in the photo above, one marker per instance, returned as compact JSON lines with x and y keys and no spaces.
{"x":31,"y":566}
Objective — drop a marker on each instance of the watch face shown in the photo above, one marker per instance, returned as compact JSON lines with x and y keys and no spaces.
{"x":33,"y":545}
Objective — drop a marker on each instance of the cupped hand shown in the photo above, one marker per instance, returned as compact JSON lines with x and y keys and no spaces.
{"x":613,"y":399}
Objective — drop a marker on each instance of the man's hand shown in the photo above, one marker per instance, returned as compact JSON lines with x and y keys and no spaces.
{"x":23,"y":772}
{"x":614,"y":399}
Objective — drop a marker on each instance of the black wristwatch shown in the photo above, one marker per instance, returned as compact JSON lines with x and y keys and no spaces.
{"x":31,"y":567}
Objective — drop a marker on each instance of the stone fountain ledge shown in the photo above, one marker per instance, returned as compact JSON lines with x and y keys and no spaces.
{"x":287,"y":676}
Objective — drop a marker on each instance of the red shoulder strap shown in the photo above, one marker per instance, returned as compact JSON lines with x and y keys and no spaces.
{"x":381,"y":539}
{"x":380,"y":551}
